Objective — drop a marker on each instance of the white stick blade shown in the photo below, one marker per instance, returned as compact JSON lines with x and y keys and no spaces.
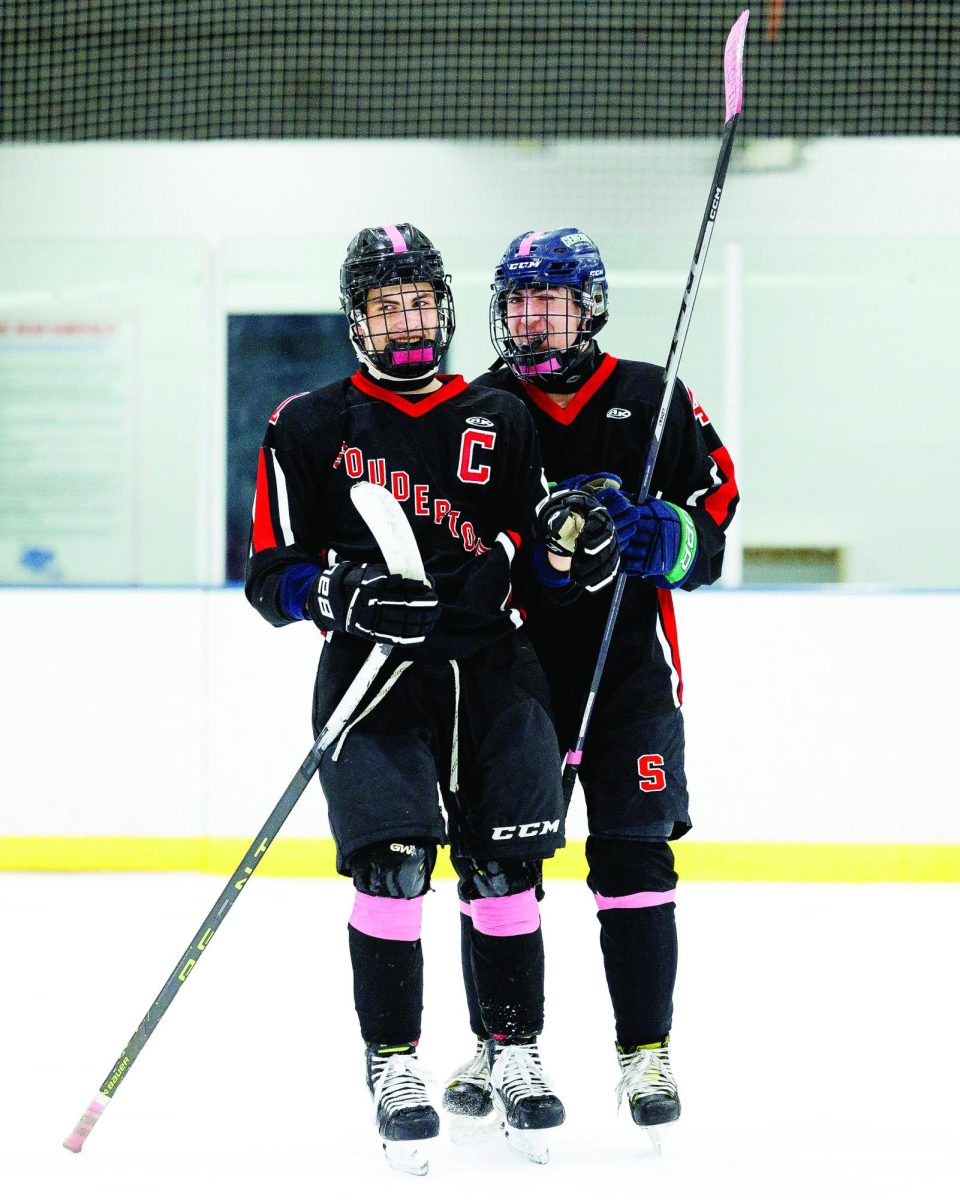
{"x":386,"y":521}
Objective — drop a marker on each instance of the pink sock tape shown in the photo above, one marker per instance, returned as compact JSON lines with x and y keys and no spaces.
{"x":506,"y":916}
{"x":388,"y":918}
{"x":635,"y":900}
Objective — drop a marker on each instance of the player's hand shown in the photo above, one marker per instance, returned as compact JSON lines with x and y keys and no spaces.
{"x":605,"y":486}
{"x":575,"y":528}
{"x":663,"y":545}
{"x":363,"y":599}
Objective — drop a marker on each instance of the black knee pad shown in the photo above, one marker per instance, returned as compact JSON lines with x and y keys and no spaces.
{"x":482,"y":880}
{"x":619,"y":867}
{"x":400,"y":870}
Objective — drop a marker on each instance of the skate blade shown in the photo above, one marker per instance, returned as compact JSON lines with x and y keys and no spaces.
{"x":656,"y":1141}
{"x":469,"y":1131}
{"x":409,"y":1157}
{"x":530,"y":1144}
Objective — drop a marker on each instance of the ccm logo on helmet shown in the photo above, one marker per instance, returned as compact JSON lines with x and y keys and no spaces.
{"x":618,"y":414}
{"x":503,"y":833}
{"x":482,"y":422}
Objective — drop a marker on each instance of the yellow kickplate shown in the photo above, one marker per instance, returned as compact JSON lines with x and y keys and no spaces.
{"x":697,"y":862}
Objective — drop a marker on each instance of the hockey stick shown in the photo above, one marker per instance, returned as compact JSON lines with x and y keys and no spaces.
{"x":733,"y":86}
{"x":389,"y":526}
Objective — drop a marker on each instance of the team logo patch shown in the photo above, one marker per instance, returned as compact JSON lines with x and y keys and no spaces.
{"x":481,"y":421}
{"x":618,"y":414}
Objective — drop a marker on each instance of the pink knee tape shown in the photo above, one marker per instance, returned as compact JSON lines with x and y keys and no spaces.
{"x":506,"y":916}
{"x":635,"y":900}
{"x":387,"y":918}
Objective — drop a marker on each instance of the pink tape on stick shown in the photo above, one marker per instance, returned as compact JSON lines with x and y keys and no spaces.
{"x":733,"y":65}
{"x":85,"y":1125}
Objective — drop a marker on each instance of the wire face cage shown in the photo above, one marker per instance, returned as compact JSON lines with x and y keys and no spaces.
{"x":77,"y":70}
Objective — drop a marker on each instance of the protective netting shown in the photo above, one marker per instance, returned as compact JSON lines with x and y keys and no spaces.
{"x":167,"y":69}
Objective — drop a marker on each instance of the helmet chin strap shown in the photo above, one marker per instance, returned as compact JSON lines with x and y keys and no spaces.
{"x":572,"y":377}
{"x":393,"y":383}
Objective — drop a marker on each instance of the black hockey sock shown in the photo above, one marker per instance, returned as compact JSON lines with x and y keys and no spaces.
{"x":469,"y":978}
{"x":640,"y":959}
{"x":508,"y":972}
{"x":387,"y":987}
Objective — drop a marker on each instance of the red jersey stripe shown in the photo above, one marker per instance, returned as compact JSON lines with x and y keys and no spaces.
{"x":264,"y":537}
{"x":453,"y":385}
{"x":718,"y":503}
{"x":565,"y":415}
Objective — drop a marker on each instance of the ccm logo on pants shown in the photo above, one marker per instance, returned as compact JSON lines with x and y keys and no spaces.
{"x":502,"y":833}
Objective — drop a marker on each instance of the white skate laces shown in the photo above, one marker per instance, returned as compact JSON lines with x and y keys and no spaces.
{"x":645,"y":1073}
{"x":399,"y":1082}
{"x":524,"y":1097}
{"x":646,"y":1079}
{"x":475,"y":1072}
{"x":402,"y":1112}
{"x":517,"y":1073}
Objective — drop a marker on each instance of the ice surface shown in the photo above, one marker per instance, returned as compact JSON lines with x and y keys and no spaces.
{"x":816,"y":1045}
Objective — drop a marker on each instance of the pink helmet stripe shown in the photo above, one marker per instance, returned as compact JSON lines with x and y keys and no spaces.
{"x":524,"y":247}
{"x":395,"y":236}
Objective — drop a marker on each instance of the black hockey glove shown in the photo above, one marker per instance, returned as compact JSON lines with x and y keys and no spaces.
{"x":575,"y":525}
{"x":362,"y":599}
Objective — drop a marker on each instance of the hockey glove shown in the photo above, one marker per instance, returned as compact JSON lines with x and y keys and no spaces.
{"x":362,"y":599}
{"x":574,"y":525}
{"x":664,"y":545}
{"x":606,"y":487}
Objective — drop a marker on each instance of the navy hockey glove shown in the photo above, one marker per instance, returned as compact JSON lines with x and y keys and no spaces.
{"x":574,"y":525}
{"x":664,"y":545}
{"x":362,"y":599}
{"x":606,"y":487}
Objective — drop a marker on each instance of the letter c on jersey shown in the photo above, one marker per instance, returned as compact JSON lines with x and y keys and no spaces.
{"x":471,"y":439}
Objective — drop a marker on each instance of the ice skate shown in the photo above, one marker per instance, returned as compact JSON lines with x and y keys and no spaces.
{"x":647,"y":1081}
{"x":404,"y":1116}
{"x":468,"y":1098}
{"x":523,"y":1096}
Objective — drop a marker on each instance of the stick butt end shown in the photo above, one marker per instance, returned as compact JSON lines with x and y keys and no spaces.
{"x":84,"y":1127}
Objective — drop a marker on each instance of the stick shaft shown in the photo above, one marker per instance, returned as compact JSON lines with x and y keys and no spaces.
{"x":734,"y":88}
{"x":215,"y":917}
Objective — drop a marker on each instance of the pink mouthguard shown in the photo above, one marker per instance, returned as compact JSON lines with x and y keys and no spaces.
{"x":402,"y":357}
{"x":543,"y":368}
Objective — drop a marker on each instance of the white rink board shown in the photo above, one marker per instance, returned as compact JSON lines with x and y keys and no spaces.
{"x":811,"y":716}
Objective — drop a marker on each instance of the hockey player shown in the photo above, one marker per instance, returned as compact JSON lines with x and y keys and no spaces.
{"x":460,"y":705}
{"x":594,"y":417}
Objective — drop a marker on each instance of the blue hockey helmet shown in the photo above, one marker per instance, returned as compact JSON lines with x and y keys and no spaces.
{"x":538,"y":260}
{"x":377,"y":257}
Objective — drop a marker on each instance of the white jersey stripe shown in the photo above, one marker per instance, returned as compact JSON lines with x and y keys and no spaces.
{"x":283,"y":505}
{"x":667,"y":651}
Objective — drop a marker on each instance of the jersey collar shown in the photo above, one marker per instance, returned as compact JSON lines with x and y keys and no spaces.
{"x":565,"y":416}
{"x":453,"y":385}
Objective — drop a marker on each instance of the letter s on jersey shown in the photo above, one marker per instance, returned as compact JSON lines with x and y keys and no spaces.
{"x":650,"y":768}
{"x":472,"y":439}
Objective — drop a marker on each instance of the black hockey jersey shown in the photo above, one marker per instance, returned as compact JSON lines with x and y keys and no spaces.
{"x":463,"y":463}
{"x":606,"y":427}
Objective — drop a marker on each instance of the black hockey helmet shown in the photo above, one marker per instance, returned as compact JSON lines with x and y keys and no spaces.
{"x":550,"y":259}
{"x":388,"y":254}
